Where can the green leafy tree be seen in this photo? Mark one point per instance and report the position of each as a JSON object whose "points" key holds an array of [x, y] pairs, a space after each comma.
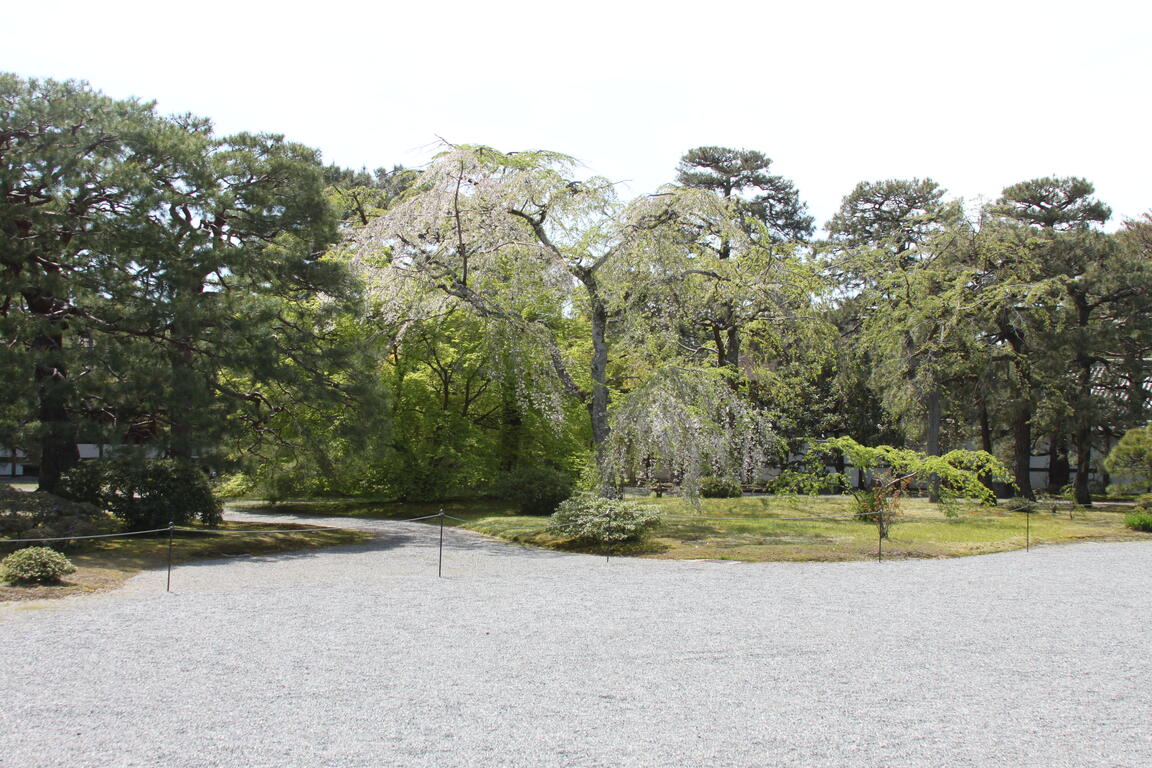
{"points": [[1130, 460], [959, 474], [159, 279], [767, 208], [742, 176], [1054, 287], [358, 196], [892, 243]]}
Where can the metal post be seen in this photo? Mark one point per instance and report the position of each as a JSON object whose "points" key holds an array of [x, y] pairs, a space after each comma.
{"points": [[1027, 530], [171, 525], [440, 566], [879, 538], [607, 545]]}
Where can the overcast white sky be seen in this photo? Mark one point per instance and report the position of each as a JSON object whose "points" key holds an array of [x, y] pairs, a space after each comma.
{"points": [[975, 95]]}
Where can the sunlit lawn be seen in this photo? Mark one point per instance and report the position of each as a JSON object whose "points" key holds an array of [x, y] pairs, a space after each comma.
{"points": [[760, 528]]}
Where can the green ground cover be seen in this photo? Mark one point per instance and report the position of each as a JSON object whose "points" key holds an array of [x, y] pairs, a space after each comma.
{"points": [[764, 528]]}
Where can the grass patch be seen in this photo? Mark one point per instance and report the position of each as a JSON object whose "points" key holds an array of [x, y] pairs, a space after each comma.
{"points": [[759, 529], [923, 530], [106, 563], [1139, 521]]}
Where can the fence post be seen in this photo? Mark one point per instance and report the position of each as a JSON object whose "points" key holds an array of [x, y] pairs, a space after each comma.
{"points": [[608, 544], [879, 537], [440, 565], [171, 525]]}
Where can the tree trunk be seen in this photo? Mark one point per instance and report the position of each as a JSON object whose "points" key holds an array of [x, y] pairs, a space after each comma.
{"points": [[932, 441], [180, 438], [1083, 465], [598, 402], [1059, 469], [58, 450], [732, 357], [1084, 412], [1022, 451], [511, 426], [840, 465], [986, 443], [985, 429]]}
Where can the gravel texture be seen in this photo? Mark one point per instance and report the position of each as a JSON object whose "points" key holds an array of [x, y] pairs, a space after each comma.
{"points": [[361, 656]]}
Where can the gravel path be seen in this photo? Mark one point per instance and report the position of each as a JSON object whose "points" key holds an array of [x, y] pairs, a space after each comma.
{"points": [[360, 656]]}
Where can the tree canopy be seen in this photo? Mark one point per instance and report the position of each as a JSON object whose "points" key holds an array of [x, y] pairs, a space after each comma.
{"points": [[420, 333]]}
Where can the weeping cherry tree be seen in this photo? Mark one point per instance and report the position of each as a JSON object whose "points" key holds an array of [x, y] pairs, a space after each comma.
{"points": [[538, 255]]}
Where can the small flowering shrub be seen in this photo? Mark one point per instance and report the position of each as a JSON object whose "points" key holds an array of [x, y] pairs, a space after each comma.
{"points": [[35, 565], [594, 519]]}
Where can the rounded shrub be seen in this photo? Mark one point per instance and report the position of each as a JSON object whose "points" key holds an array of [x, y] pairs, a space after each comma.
{"points": [[594, 519], [35, 565], [720, 488], [536, 490]]}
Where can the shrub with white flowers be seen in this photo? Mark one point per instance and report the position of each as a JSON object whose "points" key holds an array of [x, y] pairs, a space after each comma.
{"points": [[589, 518], [35, 565]]}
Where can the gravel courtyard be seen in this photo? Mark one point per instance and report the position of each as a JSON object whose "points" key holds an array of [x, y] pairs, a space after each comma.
{"points": [[361, 656]]}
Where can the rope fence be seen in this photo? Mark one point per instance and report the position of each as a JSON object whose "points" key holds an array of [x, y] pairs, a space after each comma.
{"points": [[441, 516]]}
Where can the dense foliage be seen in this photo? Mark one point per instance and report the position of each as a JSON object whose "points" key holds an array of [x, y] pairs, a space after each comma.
{"points": [[1130, 460], [145, 493], [536, 490], [498, 323], [35, 565], [591, 519], [159, 284], [1139, 521], [720, 487]]}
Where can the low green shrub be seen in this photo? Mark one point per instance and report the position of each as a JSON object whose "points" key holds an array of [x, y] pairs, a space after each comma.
{"points": [[720, 488], [145, 493], [35, 565], [1139, 521], [536, 490], [594, 519]]}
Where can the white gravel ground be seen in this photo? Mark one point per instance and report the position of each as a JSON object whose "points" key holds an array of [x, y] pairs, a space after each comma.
{"points": [[361, 656]]}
